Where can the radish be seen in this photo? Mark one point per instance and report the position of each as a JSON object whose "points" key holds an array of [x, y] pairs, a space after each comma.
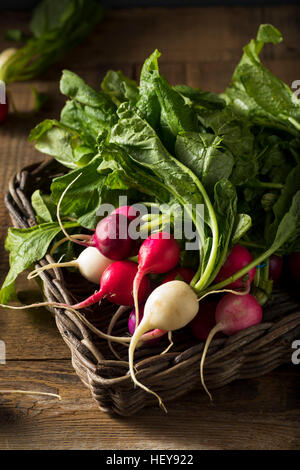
{"points": [[111, 236], [236, 260], [91, 264], [204, 321], [169, 307], [152, 336], [233, 314], [158, 254], [294, 266], [185, 273], [275, 267]]}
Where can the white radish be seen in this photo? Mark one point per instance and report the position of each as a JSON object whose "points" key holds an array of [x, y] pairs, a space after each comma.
{"points": [[169, 307], [91, 264]]}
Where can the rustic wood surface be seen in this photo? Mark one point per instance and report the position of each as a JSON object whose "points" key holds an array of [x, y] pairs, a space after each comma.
{"points": [[200, 47]]}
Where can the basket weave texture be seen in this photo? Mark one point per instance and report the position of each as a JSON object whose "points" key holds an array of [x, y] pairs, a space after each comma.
{"points": [[250, 353]]}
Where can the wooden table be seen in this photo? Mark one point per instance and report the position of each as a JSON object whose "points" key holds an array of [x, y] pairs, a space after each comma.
{"points": [[200, 47]]}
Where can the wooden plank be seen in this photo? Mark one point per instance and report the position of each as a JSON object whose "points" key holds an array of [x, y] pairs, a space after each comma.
{"points": [[258, 414], [182, 34]]}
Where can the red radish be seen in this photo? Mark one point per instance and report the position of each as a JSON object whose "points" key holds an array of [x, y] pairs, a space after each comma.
{"points": [[294, 266], [236, 260], [158, 254], [91, 264], [3, 111], [169, 307], [155, 334], [275, 267], [204, 321], [185, 274], [233, 314], [117, 285], [128, 211]]}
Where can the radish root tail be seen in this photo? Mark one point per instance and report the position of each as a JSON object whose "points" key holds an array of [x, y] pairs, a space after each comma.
{"points": [[212, 333], [170, 345], [30, 392], [36, 272], [134, 341], [71, 239]]}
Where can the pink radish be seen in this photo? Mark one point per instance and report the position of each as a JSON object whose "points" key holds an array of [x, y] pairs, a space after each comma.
{"points": [[233, 314], [275, 267], [185, 274], [91, 264], [236, 260], [204, 321], [158, 254]]}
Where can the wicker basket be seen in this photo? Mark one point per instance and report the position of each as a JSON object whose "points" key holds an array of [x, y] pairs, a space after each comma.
{"points": [[250, 353]]}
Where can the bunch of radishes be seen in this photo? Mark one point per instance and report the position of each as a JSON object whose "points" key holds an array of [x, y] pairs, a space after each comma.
{"points": [[173, 304]]}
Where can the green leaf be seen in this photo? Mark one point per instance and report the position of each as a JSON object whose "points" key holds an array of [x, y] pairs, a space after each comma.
{"points": [[260, 95], [148, 103], [120, 88], [283, 203], [124, 173], [203, 154], [44, 210], [176, 115], [26, 246], [242, 224], [56, 139]]}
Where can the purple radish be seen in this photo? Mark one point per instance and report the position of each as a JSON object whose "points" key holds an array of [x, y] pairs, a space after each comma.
{"points": [[275, 267], [233, 314]]}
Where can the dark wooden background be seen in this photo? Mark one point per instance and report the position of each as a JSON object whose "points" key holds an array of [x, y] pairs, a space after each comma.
{"points": [[200, 47]]}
